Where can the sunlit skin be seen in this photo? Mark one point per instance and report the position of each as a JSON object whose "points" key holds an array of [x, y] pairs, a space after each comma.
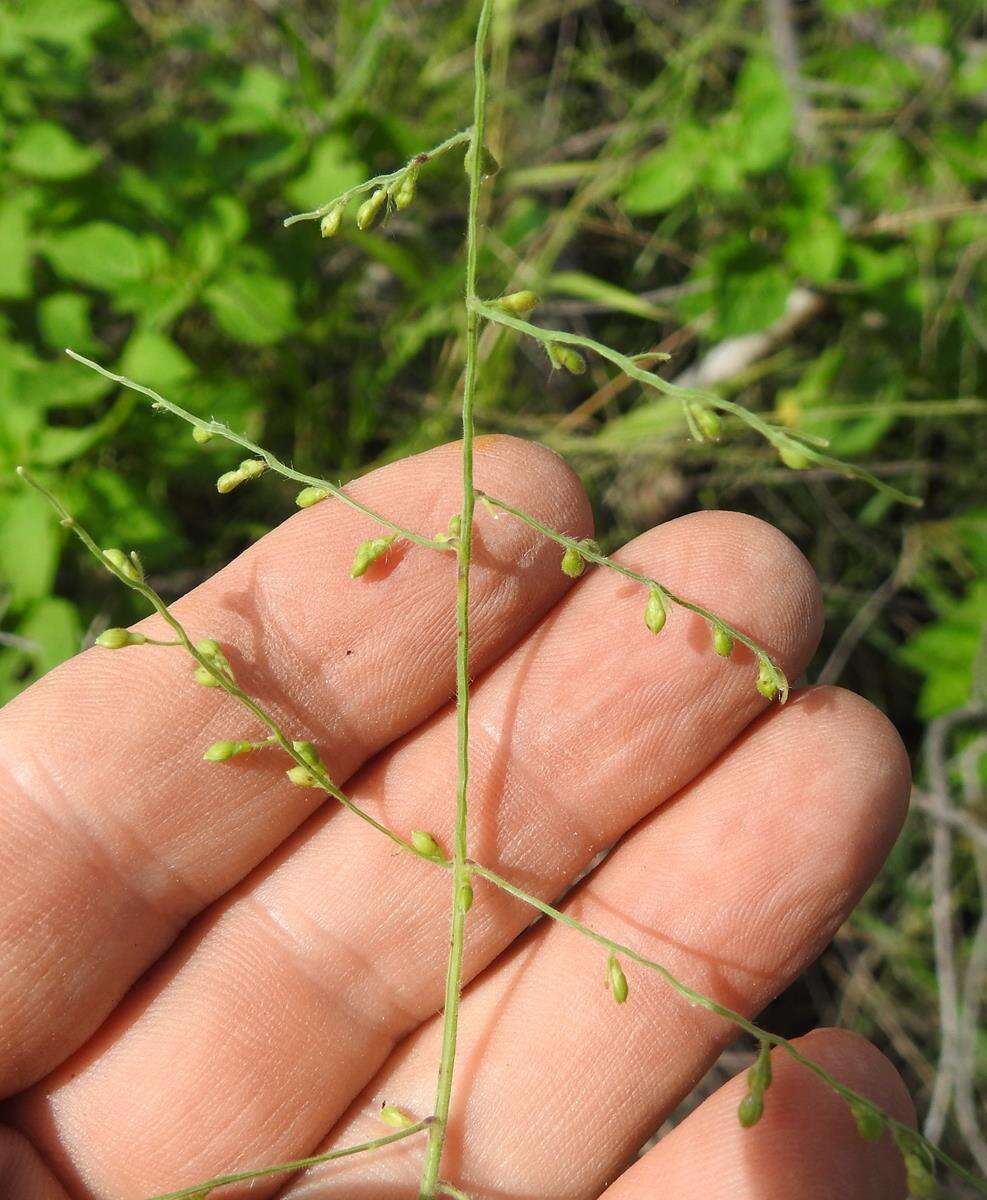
{"points": [[204, 970]]}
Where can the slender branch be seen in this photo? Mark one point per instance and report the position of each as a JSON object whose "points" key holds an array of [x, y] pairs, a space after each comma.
{"points": [[218, 429], [784, 440], [470, 868], [230, 686], [972, 999], [382, 181], [611, 564], [460, 872], [201, 1190], [447, 1189], [728, 1014], [942, 917]]}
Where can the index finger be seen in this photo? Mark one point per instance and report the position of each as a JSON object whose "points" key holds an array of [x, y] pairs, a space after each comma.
{"points": [[114, 834]]}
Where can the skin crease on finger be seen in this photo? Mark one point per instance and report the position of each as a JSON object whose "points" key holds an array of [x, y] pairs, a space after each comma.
{"points": [[22, 1174], [113, 833], [805, 1146], [278, 1007], [736, 886]]}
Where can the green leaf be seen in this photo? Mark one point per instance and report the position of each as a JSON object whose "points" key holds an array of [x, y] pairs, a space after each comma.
{"points": [[257, 102], [153, 359], [668, 174], [61, 444], [252, 306], [63, 322], [748, 302], [98, 254], [15, 249], [331, 170], [765, 115], [815, 247], [62, 384], [44, 150], [69, 23], [119, 514], [945, 651], [28, 547], [54, 626]]}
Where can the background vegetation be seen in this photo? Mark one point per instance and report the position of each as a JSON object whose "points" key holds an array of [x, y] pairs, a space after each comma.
{"points": [[789, 196]]}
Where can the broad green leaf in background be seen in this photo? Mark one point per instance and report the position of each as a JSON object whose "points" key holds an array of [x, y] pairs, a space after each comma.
{"points": [[815, 246], [15, 249], [944, 652], [748, 301], [155, 360], [121, 514], [61, 383], [63, 322], [63, 22], [331, 170], [256, 102], [53, 626], [98, 254], [44, 150], [28, 547], [669, 173], [252, 306], [765, 115]]}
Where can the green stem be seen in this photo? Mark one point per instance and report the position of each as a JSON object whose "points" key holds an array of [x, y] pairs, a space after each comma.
{"points": [[298, 1164], [382, 181], [460, 870], [470, 868], [230, 686], [448, 1189], [602, 560], [700, 1001], [780, 438], [218, 429]]}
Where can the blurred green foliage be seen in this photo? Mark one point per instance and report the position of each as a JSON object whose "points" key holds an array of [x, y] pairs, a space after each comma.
{"points": [[670, 177]]}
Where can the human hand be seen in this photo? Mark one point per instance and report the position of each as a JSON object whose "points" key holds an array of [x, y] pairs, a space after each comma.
{"points": [[295, 962]]}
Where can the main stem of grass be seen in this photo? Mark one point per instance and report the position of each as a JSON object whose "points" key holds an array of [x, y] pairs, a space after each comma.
{"points": [[460, 868]]}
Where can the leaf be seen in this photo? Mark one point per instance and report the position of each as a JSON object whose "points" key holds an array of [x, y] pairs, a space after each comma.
{"points": [[44, 150], [153, 359], [61, 444], [63, 322], [118, 513], [945, 651], [257, 101], [765, 111], [748, 302], [62, 384], [98, 254], [815, 247], [668, 174], [15, 249], [28, 547], [656, 419], [331, 170], [54, 626], [252, 306], [69, 23]]}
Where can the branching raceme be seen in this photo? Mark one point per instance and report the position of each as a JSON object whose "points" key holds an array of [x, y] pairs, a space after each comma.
{"points": [[211, 666]]}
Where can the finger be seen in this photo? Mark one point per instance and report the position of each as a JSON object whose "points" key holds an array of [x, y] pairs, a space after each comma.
{"points": [[341, 945], [805, 1145], [113, 832], [23, 1176], [735, 886]]}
